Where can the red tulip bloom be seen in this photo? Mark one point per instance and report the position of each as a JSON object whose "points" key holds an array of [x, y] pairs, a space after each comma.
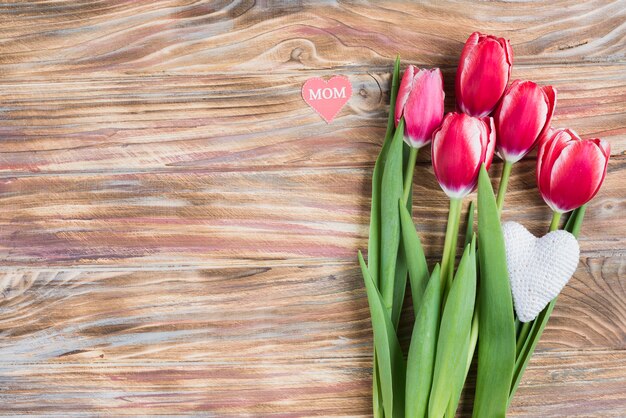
{"points": [[420, 101], [522, 117], [483, 73], [459, 148], [570, 170]]}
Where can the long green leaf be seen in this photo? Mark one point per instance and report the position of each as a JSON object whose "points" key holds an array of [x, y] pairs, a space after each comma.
{"points": [[377, 399], [460, 374], [574, 223], [467, 349], [421, 360], [453, 333], [373, 246], [391, 370], [470, 342], [399, 287], [393, 94], [496, 343], [391, 191], [416, 260], [473, 335]]}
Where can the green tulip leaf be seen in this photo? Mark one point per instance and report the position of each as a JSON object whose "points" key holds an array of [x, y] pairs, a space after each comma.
{"points": [[395, 84], [496, 342], [391, 191], [377, 399], [416, 260], [373, 246], [391, 367], [458, 381], [399, 287], [453, 333], [421, 358]]}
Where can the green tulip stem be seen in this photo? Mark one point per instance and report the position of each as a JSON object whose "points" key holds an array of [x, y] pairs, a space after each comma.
{"points": [[536, 327], [556, 217], [449, 246], [408, 178], [523, 334], [504, 182]]}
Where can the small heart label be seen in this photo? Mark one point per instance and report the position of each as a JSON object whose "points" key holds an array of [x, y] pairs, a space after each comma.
{"points": [[327, 97], [538, 268]]}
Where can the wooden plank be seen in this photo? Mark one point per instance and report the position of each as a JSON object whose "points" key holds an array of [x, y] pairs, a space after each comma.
{"points": [[568, 384], [189, 37], [578, 384], [179, 228], [260, 388], [585, 384], [213, 218], [590, 312], [255, 122], [183, 315], [312, 312]]}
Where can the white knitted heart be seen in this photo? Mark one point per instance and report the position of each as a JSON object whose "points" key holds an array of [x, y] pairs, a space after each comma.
{"points": [[538, 267]]}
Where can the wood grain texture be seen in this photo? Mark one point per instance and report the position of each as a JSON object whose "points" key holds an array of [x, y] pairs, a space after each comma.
{"points": [[334, 387], [212, 218], [280, 313], [584, 391], [251, 122], [223, 36], [179, 229], [183, 315]]}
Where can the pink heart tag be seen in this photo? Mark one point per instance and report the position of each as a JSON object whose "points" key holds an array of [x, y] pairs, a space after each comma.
{"points": [[327, 97]]}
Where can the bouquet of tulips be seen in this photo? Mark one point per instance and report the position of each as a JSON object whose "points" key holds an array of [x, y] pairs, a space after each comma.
{"points": [[498, 299]]}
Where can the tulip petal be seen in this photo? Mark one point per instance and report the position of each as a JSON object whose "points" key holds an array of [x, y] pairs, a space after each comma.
{"points": [[403, 92], [457, 153], [550, 93], [472, 41], [577, 175], [424, 108], [549, 152], [506, 45], [482, 75], [521, 117], [490, 145], [541, 153], [604, 145]]}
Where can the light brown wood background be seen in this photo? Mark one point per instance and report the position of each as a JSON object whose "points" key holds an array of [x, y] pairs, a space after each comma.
{"points": [[178, 230]]}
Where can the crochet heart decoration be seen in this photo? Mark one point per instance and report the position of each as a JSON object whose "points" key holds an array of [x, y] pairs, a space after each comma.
{"points": [[538, 267]]}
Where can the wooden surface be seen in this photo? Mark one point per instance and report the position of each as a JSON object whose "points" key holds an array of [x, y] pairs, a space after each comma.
{"points": [[178, 229]]}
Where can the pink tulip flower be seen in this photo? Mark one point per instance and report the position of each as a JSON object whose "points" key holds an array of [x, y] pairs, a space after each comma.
{"points": [[460, 146], [483, 73], [522, 117], [570, 170], [420, 101]]}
